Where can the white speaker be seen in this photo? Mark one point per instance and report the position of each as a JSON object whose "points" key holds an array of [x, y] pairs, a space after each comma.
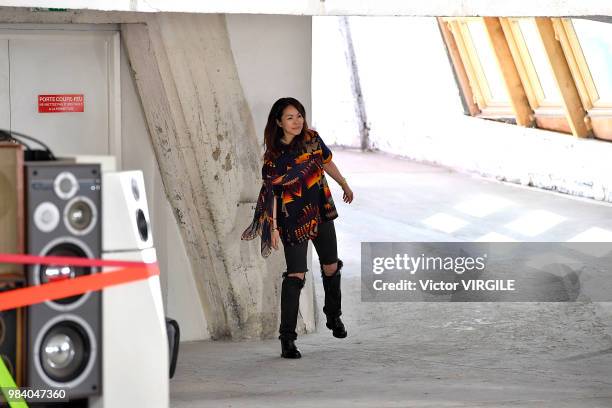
{"points": [[135, 353], [126, 224], [135, 342]]}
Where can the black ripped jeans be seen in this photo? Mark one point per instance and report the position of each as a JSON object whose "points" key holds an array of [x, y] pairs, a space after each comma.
{"points": [[325, 245], [296, 258]]}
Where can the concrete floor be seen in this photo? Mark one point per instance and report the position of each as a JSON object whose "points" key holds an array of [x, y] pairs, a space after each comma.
{"points": [[425, 354]]}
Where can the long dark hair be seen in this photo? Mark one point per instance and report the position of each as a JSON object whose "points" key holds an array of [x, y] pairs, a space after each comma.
{"points": [[273, 133]]}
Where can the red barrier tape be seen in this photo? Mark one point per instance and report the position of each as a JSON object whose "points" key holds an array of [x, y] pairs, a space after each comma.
{"points": [[129, 272]]}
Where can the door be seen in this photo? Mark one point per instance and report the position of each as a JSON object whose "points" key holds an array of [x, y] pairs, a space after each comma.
{"points": [[62, 62]]}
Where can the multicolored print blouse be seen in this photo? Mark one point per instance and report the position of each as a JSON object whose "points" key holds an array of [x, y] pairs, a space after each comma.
{"points": [[297, 181]]}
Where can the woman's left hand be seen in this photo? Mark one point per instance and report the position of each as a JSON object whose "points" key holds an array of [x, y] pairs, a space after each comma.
{"points": [[348, 193], [275, 238]]}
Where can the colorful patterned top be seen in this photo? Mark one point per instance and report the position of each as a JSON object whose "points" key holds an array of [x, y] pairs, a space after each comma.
{"points": [[297, 181]]}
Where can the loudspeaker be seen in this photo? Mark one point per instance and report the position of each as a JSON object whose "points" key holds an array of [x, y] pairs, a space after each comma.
{"points": [[127, 226], [11, 211], [134, 330], [63, 202]]}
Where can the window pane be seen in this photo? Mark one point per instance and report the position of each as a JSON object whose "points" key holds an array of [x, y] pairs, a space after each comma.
{"points": [[487, 61], [596, 42], [539, 60]]}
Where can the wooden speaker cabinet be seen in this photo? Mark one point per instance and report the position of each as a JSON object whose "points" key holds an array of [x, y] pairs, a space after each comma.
{"points": [[12, 240]]}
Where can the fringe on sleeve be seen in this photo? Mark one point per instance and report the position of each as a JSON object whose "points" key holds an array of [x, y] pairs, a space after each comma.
{"points": [[262, 218]]}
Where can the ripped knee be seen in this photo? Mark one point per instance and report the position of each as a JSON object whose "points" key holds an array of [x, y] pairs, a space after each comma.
{"points": [[330, 269], [299, 275]]}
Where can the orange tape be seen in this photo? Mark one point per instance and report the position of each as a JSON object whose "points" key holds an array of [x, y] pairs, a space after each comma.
{"points": [[128, 272]]}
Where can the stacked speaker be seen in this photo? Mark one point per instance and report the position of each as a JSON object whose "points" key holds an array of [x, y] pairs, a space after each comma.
{"points": [[55, 209], [63, 209], [12, 241]]}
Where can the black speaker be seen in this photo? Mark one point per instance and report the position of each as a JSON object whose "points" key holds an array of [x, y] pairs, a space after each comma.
{"points": [[63, 219]]}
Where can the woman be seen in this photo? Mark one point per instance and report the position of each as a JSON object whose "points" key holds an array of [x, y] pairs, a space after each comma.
{"points": [[294, 206]]}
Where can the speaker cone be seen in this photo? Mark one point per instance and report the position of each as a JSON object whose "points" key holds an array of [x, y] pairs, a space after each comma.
{"points": [[80, 215], [143, 225], [64, 351], [54, 273], [46, 216], [65, 185]]}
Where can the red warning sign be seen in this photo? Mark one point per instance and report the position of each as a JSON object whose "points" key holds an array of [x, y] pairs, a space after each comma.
{"points": [[61, 103]]}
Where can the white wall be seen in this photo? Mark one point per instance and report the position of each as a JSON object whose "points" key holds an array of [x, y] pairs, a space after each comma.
{"points": [[273, 55], [333, 104], [405, 79], [414, 110]]}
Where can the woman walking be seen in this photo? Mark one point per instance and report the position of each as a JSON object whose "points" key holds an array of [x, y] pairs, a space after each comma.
{"points": [[294, 206]]}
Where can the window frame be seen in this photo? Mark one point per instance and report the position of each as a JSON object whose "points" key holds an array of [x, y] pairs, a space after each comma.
{"points": [[580, 68], [527, 70], [489, 107], [578, 112]]}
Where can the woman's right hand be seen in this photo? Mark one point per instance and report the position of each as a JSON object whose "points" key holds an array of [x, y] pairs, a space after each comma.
{"points": [[275, 238]]}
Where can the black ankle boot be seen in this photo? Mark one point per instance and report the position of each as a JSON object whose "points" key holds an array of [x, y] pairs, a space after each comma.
{"points": [[289, 350], [337, 327], [290, 306], [333, 300]]}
